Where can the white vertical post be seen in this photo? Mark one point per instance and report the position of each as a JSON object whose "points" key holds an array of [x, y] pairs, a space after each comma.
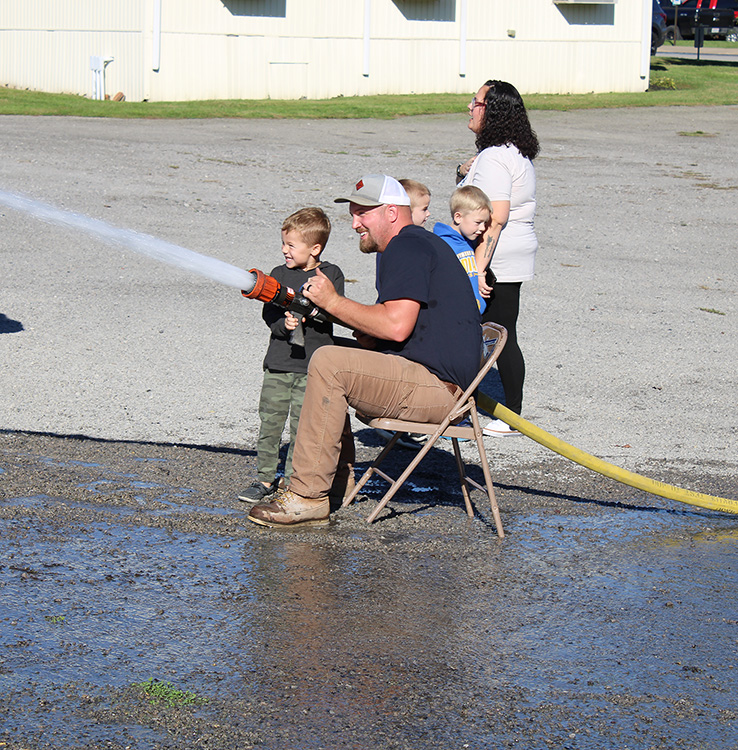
{"points": [[462, 37], [96, 68], [156, 41], [367, 34]]}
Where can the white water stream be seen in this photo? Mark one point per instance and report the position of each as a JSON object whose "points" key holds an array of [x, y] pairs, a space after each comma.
{"points": [[145, 244]]}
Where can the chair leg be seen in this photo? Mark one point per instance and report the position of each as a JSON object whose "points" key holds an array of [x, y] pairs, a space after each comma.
{"points": [[366, 476], [394, 486], [462, 476], [487, 474], [490, 486]]}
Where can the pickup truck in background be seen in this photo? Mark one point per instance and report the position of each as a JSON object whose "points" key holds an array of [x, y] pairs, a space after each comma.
{"points": [[719, 17]]}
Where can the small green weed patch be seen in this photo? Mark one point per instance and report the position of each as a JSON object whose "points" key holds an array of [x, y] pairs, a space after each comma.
{"points": [[662, 82], [164, 692], [711, 310]]}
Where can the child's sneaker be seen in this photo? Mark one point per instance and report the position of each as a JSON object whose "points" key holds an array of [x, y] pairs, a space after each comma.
{"points": [[256, 492]]}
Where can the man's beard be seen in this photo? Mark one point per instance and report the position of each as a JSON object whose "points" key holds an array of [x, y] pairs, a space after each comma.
{"points": [[368, 245]]}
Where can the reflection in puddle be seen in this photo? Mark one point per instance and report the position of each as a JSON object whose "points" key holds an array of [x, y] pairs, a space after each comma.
{"points": [[135, 602]]}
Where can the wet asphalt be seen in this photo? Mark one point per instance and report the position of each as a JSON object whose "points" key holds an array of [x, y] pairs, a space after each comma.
{"points": [[607, 616]]}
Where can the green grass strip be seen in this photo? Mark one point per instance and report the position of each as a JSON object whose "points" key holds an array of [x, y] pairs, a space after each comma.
{"points": [[674, 82]]}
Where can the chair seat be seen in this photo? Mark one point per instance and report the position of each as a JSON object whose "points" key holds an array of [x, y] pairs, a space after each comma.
{"points": [[419, 428]]}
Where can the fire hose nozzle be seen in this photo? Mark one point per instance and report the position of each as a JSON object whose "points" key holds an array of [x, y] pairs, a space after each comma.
{"points": [[268, 289]]}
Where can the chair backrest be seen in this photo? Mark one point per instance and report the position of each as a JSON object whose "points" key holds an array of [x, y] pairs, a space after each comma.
{"points": [[494, 337]]}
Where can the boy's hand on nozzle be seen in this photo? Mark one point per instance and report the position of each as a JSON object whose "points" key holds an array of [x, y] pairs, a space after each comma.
{"points": [[291, 321], [320, 291]]}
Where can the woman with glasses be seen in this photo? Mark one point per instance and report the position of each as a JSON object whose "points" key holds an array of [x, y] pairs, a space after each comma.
{"points": [[503, 169]]}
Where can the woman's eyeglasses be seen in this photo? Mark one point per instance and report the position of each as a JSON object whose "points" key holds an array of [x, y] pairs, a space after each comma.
{"points": [[473, 104]]}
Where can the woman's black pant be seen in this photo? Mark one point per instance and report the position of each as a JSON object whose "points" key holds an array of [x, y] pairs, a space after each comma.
{"points": [[503, 308]]}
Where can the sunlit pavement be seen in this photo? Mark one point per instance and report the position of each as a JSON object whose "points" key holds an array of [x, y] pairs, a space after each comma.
{"points": [[714, 54]]}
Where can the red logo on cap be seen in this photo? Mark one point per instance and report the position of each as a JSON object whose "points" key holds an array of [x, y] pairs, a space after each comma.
{"points": [[359, 185]]}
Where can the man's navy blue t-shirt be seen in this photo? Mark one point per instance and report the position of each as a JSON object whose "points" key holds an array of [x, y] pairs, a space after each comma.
{"points": [[447, 338]]}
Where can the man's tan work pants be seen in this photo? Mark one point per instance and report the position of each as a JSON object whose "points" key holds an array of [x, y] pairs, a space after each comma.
{"points": [[378, 385]]}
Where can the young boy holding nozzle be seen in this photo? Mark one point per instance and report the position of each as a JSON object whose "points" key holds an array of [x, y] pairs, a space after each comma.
{"points": [[304, 236], [470, 215]]}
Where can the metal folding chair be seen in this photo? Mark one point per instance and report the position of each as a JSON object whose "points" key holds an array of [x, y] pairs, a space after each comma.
{"points": [[494, 337]]}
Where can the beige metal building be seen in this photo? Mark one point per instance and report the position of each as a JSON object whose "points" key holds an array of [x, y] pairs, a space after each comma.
{"points": [[174, 50]]}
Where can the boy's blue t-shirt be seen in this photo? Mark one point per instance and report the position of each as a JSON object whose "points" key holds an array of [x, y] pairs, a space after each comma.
{"points": [[447, 337], [465, 253]]}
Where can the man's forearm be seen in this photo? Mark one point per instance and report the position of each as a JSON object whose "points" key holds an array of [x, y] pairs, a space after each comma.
{"points": [[392, 321]]}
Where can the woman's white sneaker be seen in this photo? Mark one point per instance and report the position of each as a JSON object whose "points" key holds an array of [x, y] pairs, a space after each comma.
{"points": [[498, 428]]}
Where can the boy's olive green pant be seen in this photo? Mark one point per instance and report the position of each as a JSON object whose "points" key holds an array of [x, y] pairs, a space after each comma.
{"points": [[281, 395]]}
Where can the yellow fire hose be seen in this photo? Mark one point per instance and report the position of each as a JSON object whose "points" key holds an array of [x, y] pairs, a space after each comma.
{"points": [[602, 467]]}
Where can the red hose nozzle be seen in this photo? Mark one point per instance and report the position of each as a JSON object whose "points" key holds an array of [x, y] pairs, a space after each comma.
{"points": [[265, 289]]}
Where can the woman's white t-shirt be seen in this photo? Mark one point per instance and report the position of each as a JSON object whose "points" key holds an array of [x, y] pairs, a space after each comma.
{"points": [[504, 174]]}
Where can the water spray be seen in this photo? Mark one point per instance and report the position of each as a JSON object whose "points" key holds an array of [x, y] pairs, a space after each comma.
{"points": [[145, 244], [253, 284]]}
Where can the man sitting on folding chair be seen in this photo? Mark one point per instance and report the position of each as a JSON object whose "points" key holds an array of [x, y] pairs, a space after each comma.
{"points": [[422, 344]]}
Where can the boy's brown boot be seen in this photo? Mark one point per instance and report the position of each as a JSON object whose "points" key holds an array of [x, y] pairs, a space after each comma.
{"points": [[289, 510]]}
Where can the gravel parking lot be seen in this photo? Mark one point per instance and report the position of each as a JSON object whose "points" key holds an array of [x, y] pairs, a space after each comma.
{"points": [[628, 329], [128, 395]]}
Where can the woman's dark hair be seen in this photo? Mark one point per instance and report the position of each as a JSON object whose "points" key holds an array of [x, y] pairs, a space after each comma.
{"points": [[506, 121]]}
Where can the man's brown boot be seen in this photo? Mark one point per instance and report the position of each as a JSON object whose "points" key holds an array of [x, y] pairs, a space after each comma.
{"points": [[289, 510], [343, 483]]}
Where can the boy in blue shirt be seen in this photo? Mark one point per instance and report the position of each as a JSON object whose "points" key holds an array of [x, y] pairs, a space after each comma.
{"points": [[470, 215]]}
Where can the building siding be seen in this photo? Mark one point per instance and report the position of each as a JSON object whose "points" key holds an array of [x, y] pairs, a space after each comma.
{"points": [[256, 49]]}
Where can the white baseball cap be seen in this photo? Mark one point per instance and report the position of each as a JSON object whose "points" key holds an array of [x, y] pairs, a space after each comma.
{"points": [[376, 190]]}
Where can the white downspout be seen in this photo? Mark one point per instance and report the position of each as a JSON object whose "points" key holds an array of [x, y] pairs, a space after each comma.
{"points": [[156, 41], [367, 35], [647, 10], [462, 38]]}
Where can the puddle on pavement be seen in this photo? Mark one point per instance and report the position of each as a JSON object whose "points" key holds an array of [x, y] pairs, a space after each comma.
{"points": [[615, 619], [604, 624]]}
